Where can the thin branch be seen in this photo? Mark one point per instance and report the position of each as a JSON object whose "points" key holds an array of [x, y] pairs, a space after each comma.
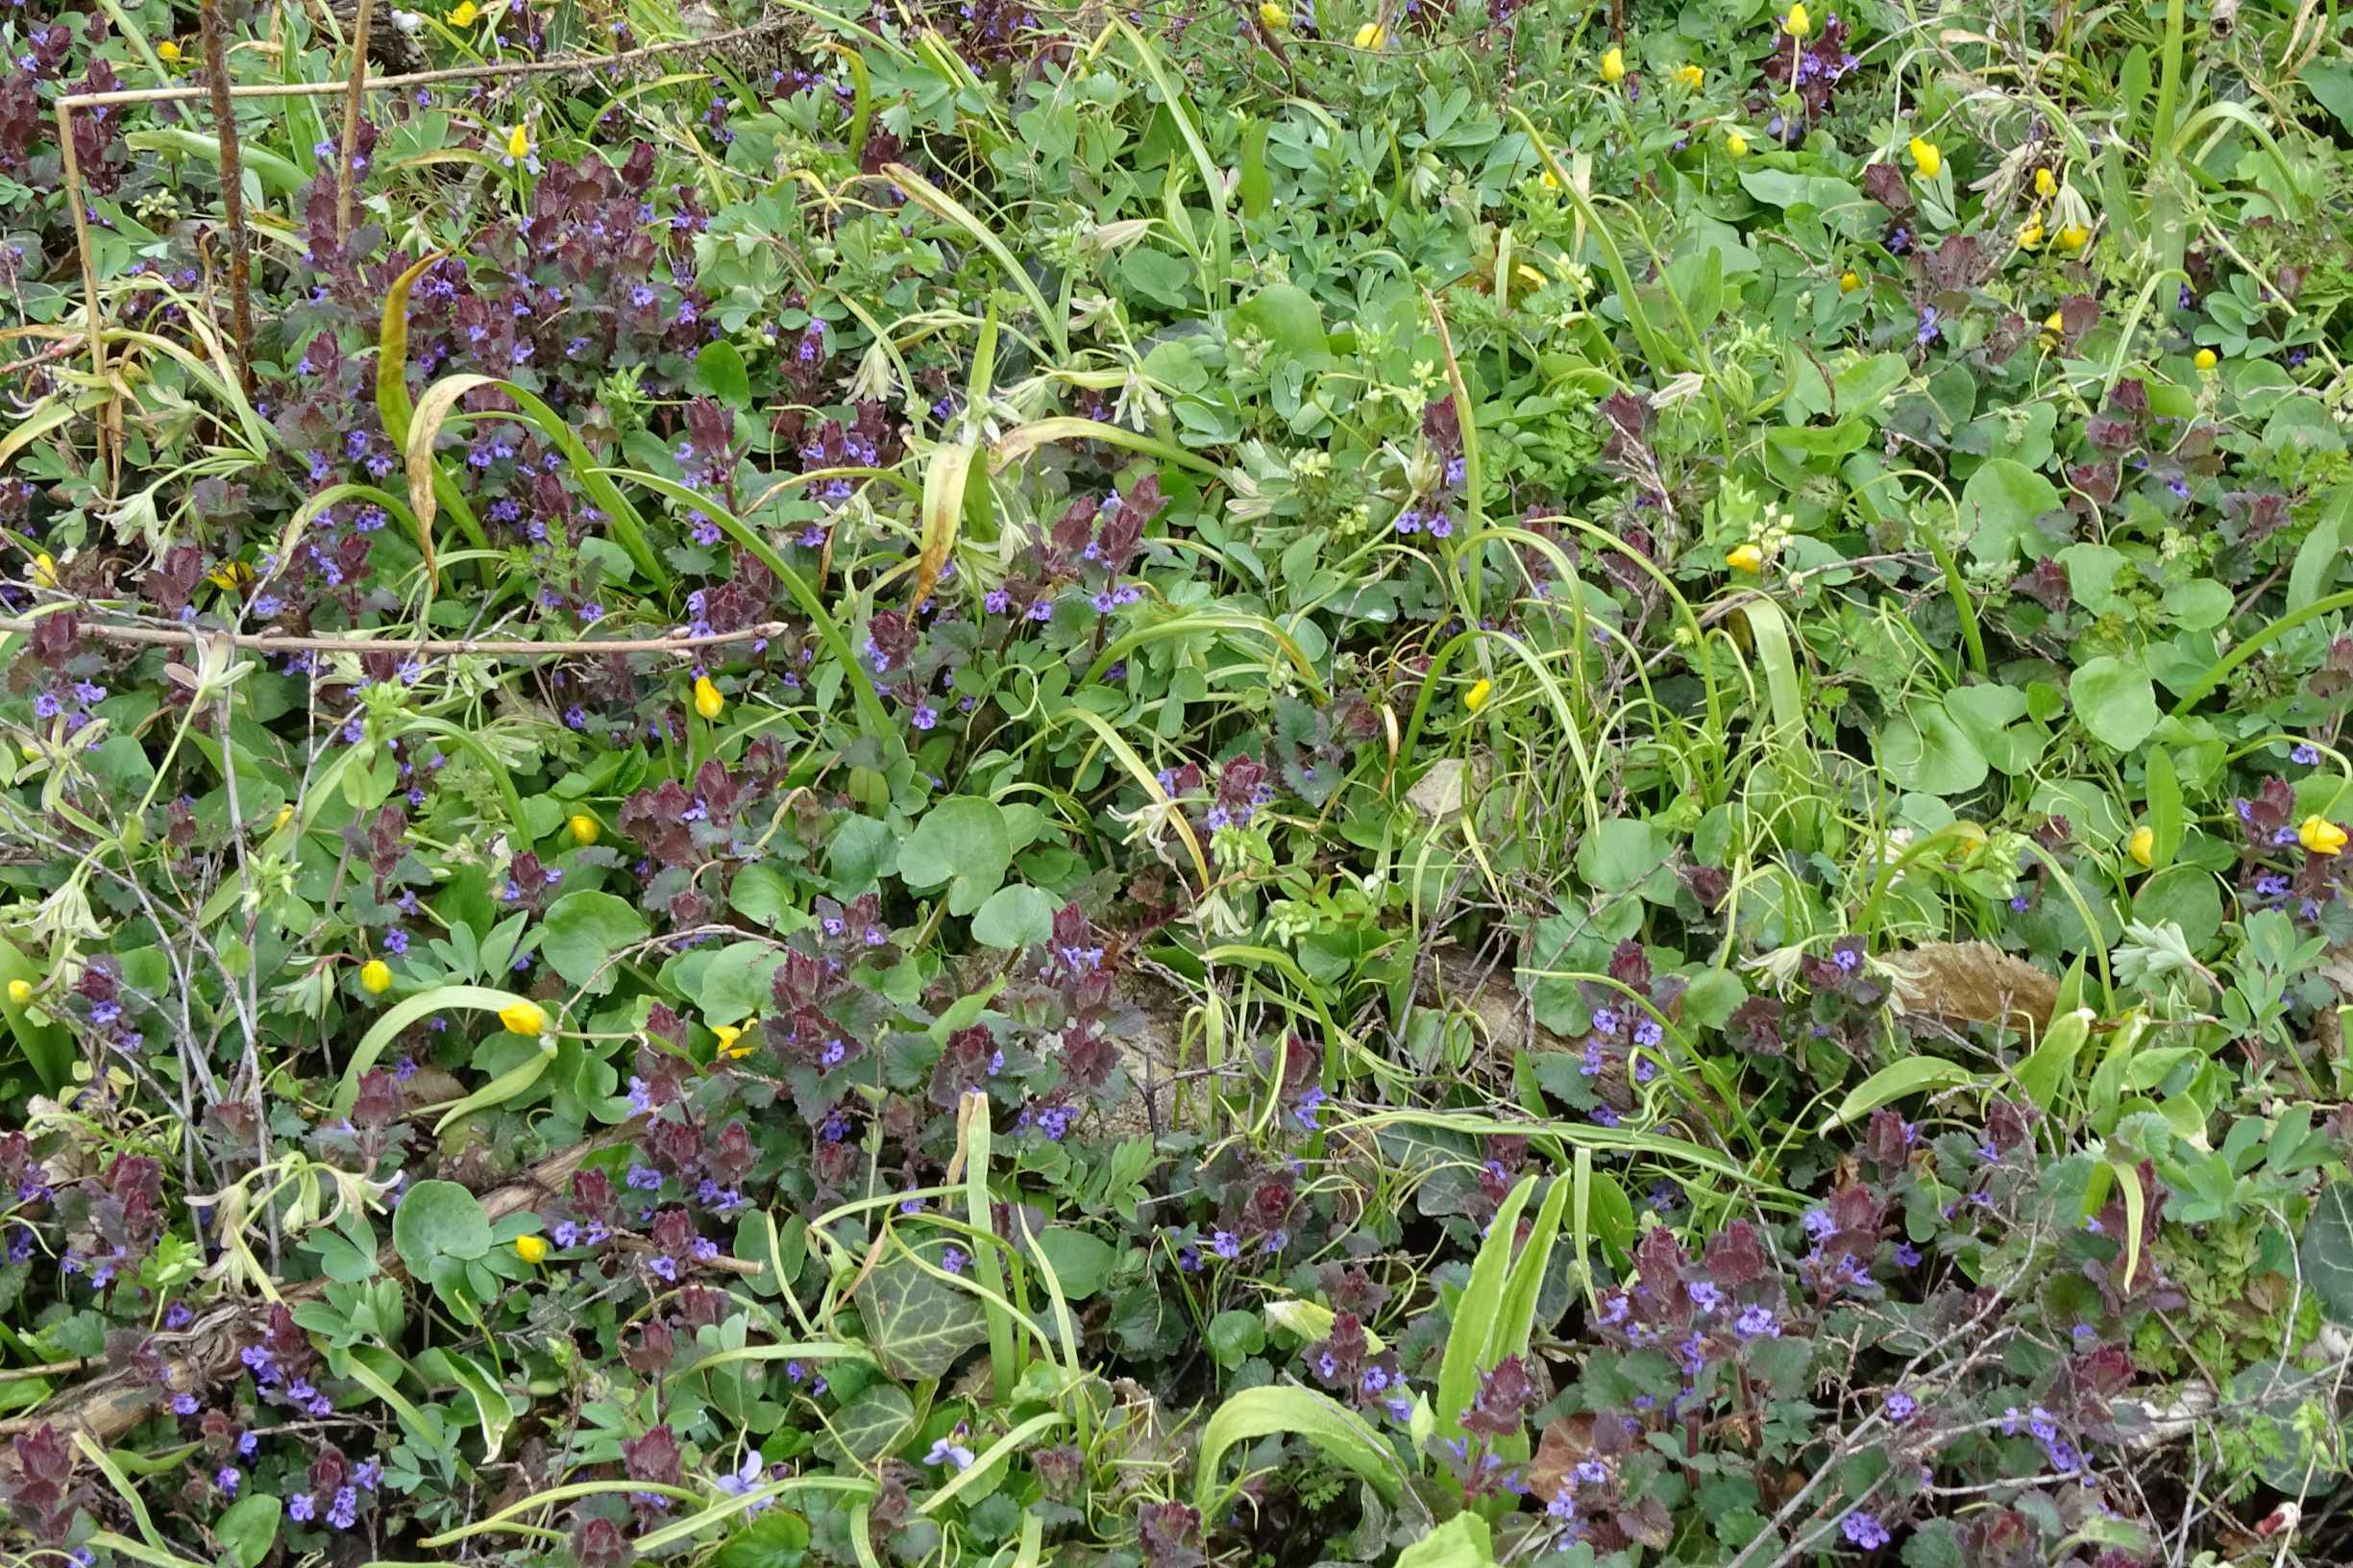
{"points": [[267, 643]]}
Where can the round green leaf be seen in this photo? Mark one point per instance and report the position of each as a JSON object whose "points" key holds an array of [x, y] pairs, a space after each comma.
{"points": [[438, 1220], [2115, 700], [584, 929]]}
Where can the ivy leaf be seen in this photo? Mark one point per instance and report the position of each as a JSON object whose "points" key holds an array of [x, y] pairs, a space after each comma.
{"points": [[921, 1324], [2326, 1253], [875, 1420]]}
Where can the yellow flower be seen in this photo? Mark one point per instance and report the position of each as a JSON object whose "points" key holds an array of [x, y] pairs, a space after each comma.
{"points": [[2055, 324], [1372, 35], [519, 143], [231, 576], [1690, 76], [1613, 65], [1274, 16], [1749, 557], [1476, 696], [531, 1249], [1552, 180], [2031, 235], [524, 1018], [1926, 157], [1796, 24], [464, 14], [44, 571], [1736, 144], [168, 52], [728, 1034], [375, 977], [285, 815], [707, 699], [2142, 844], [2320, 836], [1849, 283], [584, 829], [2073, 237], [21, 991], [2206, 359], [2046, 183]]}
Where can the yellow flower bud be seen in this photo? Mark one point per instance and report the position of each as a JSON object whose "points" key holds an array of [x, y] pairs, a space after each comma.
{"points": [[519, 143], [1926, 157], [531, 1249], [1613, 65], [21, 991], [44, 571], [2046, 183], [2074, 237], [2055, 324], [585, 829], [707, 699], [524, 1018], [1849, 283], [465, 13], [1372, 35], [1747, 557], [2031, 235], [1690, 76], [2206, 359], [2142, 844], [375, 977], [1736, 144], [168, 52], [1476, 696], [1274, 16], [285, 815], [1796, 24], [2320, 836]]}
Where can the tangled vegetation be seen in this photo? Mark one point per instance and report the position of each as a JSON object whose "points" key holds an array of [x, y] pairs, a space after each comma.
{"points": [[1432, 784]]}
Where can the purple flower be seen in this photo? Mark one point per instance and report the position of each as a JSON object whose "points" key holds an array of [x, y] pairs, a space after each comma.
{"points": [[1226, 1244], [1757, 1322], [226, 1479], [1900, 1406], [2307, 754], [944, 1452], [1866, 1532], [301, 1507], [952, 1257], [183, 1405], [1907, 1255], [346, 1511]]}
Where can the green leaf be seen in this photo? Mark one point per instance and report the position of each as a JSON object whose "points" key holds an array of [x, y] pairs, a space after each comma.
{"points": [[1998, 506], [1082, 1262], [1338, 1433], [248, 1528], [2326, 1254], [1235, 1335], [1461, 1542], [875, 1420], [1015, 917], [777, 1539], [1913, 1075], [1924, 750], [437, 1220], [1286, 316], [719, 370], [584, 931], [961, 842], [918, 1323], [2115, 700]]}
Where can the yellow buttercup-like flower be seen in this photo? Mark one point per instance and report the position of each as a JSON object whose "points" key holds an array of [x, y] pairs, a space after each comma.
{"points": [[2074, 237], [285, 815], [230, 575], [21, 991], [168, 52], [1736, 144], [1796, 24], [1476, 696], [1274, 16], [1613, 65], [1749, 558], [44, 571], [2320, 836], [1372, 35], [2143, 846], [585, 829], [728, 1034], [519, 143], [2055, 324], [2046, 183], [1926, 157], [465, 13], [524, 1018], [2206, 359], [707, 699], [375, 977], [531, 1249], [1849, 283], [2031, 235], [1690, 76]]}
